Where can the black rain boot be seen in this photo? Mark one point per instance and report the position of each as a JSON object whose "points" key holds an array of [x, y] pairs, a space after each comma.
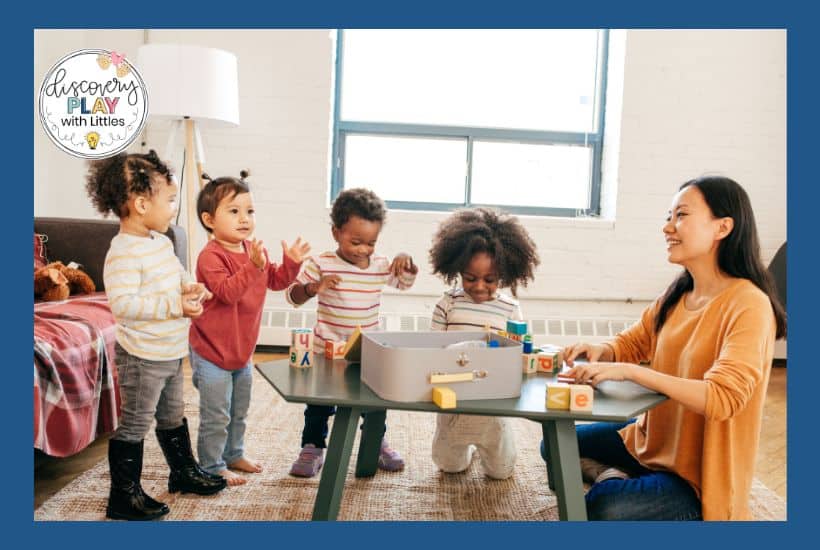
{"points": [[126, 499], [186, 475]]}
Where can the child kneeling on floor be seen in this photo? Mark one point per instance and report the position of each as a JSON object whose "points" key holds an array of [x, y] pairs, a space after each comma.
{"points": [[486, 250]]}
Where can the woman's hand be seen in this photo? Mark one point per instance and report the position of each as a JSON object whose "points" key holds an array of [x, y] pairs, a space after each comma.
{"points": [[594, 373], [593, 352], [403, 263], [297, 251]]}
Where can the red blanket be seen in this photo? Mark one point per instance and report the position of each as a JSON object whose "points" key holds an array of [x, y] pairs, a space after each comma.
{"points": [[76, 398]]}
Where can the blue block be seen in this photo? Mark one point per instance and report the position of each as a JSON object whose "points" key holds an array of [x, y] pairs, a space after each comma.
{"points": [[516, 327]]}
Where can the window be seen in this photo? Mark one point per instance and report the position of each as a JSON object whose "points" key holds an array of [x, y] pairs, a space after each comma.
{"points": [[441, 119]]}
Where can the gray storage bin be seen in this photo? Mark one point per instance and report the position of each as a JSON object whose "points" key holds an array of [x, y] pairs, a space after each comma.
{"points": [[398, 365]]}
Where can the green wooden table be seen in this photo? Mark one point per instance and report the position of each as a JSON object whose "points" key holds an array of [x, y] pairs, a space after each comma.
{"points": [[338, 383]]}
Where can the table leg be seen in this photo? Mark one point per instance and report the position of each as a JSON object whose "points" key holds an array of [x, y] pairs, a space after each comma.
{"points": [[370, 444], [562, 452], [550, 474], [332, 483]]}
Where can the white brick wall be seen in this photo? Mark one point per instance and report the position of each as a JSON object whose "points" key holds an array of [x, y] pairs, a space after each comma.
{"points": [[681, 103]]}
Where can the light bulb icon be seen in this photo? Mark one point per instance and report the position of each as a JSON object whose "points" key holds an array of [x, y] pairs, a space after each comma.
{"points": [[93, 138]]}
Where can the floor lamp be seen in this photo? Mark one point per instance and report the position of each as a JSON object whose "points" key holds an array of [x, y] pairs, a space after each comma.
{"points": [[195, 88]]}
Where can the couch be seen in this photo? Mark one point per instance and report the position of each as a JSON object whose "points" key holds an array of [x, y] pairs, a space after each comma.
{"points": [[76, 398]]}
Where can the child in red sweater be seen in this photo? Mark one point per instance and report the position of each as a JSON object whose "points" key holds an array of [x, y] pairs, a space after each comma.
{"points": [[235, 267]]}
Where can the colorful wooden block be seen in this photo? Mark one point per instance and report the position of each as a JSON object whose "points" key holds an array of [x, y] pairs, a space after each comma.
{"points": [[301, 338], [516, 327], [301, 358], [516, 337], [334, 349], [548, 362], [557, 350], [529, 361], [580, 397], [444, 397], [353, 348], [558, 396]]}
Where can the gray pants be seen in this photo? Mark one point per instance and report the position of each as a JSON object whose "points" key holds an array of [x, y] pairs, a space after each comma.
{"points": [[148, 389]]}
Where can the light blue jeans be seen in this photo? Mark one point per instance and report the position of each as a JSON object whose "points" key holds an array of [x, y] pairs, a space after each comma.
{"points": [[647, 495], [224, 398]]}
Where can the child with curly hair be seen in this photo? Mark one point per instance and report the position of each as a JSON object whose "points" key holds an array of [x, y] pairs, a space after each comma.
{"points": [[348, 286], [487, 250], [152, 299], [234, 265]]}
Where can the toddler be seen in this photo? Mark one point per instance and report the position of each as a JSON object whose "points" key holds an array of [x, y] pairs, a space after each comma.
{"points": [[487, 250], [151, 297], [348, 285], [235, 267]]}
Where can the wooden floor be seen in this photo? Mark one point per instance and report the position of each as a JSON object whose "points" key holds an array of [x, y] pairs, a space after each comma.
{"points": [[52, 474]]}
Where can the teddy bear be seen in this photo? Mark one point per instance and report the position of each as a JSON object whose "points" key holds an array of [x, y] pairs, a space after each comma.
{"points": [[55, 282]]}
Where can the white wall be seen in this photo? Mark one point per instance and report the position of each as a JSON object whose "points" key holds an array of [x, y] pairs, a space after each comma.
{"points": [[681, 103]]}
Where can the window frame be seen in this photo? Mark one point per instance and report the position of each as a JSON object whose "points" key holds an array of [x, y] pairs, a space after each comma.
{"points": [[595, 140]]}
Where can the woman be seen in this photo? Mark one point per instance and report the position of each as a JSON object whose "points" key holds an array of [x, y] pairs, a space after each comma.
{"points": [[709, 340]]}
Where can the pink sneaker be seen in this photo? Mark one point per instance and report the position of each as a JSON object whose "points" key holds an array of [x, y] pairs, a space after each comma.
{"points": [[389, 459], [309, 462]]}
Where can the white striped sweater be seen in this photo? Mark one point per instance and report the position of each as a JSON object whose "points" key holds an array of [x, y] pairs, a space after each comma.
{"points": [[143, 282], [355, 300], [457, 311]]}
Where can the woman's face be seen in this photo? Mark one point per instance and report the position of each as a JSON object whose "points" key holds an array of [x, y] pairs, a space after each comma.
{"points": [[692, 232]]}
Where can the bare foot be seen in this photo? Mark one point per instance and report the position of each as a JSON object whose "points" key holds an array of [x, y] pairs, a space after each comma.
{"points": [[246, 465], [232, 478]]}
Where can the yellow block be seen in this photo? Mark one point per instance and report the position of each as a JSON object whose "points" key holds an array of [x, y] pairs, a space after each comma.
{"points": [[353, 349], [444, 397], [580, 397], [558, 396]]}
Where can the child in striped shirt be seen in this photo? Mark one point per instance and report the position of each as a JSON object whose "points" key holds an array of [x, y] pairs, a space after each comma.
{"points": [[348, 285], [152, 299], [487, 250]]}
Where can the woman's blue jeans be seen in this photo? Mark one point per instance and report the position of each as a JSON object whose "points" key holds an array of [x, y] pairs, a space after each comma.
{"points": [[647, 495]]}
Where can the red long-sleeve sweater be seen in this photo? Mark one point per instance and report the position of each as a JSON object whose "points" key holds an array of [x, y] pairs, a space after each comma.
{"points": [[226, 332]]}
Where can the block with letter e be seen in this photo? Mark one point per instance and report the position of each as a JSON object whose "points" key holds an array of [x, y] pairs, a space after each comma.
{"points": [[580, 398]]}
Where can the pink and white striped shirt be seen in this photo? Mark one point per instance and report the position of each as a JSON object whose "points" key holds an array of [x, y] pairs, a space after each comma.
{"points": [[356, 299]]}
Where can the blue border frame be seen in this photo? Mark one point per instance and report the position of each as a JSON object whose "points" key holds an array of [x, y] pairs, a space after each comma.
{"points": [[593, 140]]}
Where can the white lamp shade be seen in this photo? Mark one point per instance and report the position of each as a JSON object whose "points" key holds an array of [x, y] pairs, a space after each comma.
{"points": [[190, 81]]}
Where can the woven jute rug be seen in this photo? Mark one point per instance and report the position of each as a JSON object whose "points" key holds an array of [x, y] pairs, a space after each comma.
{"points": [[420, 492]]}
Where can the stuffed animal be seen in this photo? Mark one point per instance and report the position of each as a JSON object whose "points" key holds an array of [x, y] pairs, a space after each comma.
{"points": [[55, 282]]}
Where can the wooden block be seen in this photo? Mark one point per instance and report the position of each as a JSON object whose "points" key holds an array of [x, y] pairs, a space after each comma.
{"points": [[558, 396], [516, 337], [556, 350], [580, 397], [353, 349], [301, 338], [529, 361], [545, 362], [334, 349], [444, 397], [301, 358], [516, 327]]}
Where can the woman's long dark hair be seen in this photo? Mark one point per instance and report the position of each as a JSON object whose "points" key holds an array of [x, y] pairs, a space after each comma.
{"points": [[738, 252]]}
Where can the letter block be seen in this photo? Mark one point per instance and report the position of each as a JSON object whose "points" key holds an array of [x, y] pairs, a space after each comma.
{"points": [[518, 328], [558, 396], [581, 396], [444, 397], [301, 338], [548, 362], [334, 349], [530, 363], [301, 358]]}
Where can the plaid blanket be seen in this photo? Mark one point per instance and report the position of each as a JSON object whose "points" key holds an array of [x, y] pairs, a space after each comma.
{"points": [[76, 398]]}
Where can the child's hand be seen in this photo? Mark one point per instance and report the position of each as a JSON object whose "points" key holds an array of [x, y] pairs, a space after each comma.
{"points": [[403, 262], [297, 251], [257, 253], [191, 304], [328, 282], [199, 289]]}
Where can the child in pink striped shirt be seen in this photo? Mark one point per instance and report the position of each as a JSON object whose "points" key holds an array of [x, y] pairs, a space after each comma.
{"points": [[348, 285]]}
